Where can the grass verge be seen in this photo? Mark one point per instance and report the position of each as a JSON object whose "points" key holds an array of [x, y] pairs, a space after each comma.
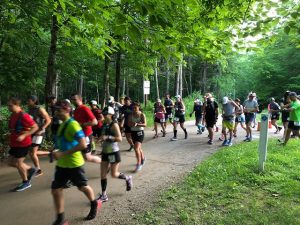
{"points": [[228, 189]]}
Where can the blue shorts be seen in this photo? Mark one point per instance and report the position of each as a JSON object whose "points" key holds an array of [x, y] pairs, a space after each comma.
{"points": [[240, 119]]}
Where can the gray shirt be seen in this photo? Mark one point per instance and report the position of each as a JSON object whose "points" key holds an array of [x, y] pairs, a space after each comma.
{"points": [[250, 105]]}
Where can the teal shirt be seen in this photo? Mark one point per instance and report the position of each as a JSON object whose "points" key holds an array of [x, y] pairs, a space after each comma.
{"points": [[68, 139]]}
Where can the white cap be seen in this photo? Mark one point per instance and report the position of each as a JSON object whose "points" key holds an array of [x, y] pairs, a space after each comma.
{"points": [[111, 99], [68, 100], [225, 100], [177, 96], [197, 100], [158, 100], [108, 110], [93, 102]]}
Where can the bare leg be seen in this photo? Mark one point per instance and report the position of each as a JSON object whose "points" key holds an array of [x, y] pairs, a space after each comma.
{"points": [[58, 198], [34, 157]]}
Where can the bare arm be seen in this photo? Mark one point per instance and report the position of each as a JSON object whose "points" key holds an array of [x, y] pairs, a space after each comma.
{"points": [[46, 117]]}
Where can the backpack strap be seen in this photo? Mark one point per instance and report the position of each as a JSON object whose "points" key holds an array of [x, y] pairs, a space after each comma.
{"points": [[62, 133]]}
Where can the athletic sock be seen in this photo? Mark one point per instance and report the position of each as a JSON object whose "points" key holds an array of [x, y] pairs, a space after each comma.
{"points": [[103, 184], [93, 211], [175, 133], [122, 176]]}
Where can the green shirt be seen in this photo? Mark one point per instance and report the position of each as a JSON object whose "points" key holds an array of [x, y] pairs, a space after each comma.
{"points": [[295, 113], [68, 136]]}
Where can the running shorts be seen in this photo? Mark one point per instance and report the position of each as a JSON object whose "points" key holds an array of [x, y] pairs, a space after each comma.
{"points": [[240, 119], [228, 124], [19, 152], [112, 158], [249, 117], [137, 136], [63, 175], [294, 125], [127, 129], [89, 140], [275, 117], [179, 119], [156, 120]]}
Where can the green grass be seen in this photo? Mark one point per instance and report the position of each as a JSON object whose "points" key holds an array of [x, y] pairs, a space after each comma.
{"points": [[228, 189]]}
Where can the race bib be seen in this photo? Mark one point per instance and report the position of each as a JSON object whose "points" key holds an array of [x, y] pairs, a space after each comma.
{"points": [[112, 158], [140, 133], [239, 119], [297, 124], [37, 140], [176, 119], [170, 115], [162, 120]]}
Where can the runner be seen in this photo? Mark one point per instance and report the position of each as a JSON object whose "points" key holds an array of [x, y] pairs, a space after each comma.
{"points": [[84, 116], [250, 108], [43, 120], [240, 117], [285, 114], [294, 121], [159, 117], [21, 127], [228, 111], [116, 106], [97, 129], [55, 122], [137, 122], [126, 110], [111, 153], [70, 163], [274, 110], [210, 115], [169, 105], [255, 113], [179, 117], [198, 109]]}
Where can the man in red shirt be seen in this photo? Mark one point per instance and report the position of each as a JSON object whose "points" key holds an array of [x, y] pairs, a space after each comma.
{"points": [[84, 116], [21, 127]]}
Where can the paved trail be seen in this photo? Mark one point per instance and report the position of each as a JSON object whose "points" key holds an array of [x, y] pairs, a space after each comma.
{"points": [[166, 163]]}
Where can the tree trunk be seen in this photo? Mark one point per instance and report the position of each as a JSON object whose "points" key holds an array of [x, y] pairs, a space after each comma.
{"points": [[204, 76], [51, 76], [168, 78], [156, 80], [190, 74], [106, 80], [81, 85], [97, 87], [185, 80], [124, 85], [180, 78], [118, 75]]}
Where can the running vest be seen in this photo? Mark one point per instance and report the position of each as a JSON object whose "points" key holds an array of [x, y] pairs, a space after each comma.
{"points": [[168, 102], [136, 120], [108, 145], [35, 114], [178, 106]]}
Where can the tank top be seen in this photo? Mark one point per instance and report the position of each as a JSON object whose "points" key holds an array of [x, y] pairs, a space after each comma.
{"points": [[136, 120], [36, 116], [108, 145]]}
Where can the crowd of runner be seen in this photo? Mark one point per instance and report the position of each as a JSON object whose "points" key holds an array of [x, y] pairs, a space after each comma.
{"points": [[77, 131]]}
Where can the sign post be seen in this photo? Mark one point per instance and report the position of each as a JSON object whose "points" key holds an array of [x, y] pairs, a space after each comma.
{"points": [[146, 88], [263, 141]]}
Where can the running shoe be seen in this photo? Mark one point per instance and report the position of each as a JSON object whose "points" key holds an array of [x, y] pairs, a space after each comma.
{"points": [[31, 173], [203, 129], [155, 136], [64, 222], [210, 142], [128, 183], [164, 134], [23, 186], [199, 132], [130, 149], [224, 143], [95, 205], [174, 139], [38, 173], [185, 135], [143, 161], [138, 167], [221, 139], [102, 198], [247, 140], [229, 143]]}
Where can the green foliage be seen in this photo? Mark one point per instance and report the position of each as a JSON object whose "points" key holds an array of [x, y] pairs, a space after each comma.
{"points": [[221, 192]]}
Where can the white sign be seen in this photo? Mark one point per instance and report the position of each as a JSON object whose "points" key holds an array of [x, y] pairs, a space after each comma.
{"points": [[146, 87], [263, 141]]}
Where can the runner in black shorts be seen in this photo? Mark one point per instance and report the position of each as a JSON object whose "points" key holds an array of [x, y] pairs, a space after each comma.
{"points": [[111, 152], [70, 162], [210, 115], [169, 105], [137, 122], [285, 114], [126, 110], [179, 117], [21, 127], [159, 117], [274, 109]]}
